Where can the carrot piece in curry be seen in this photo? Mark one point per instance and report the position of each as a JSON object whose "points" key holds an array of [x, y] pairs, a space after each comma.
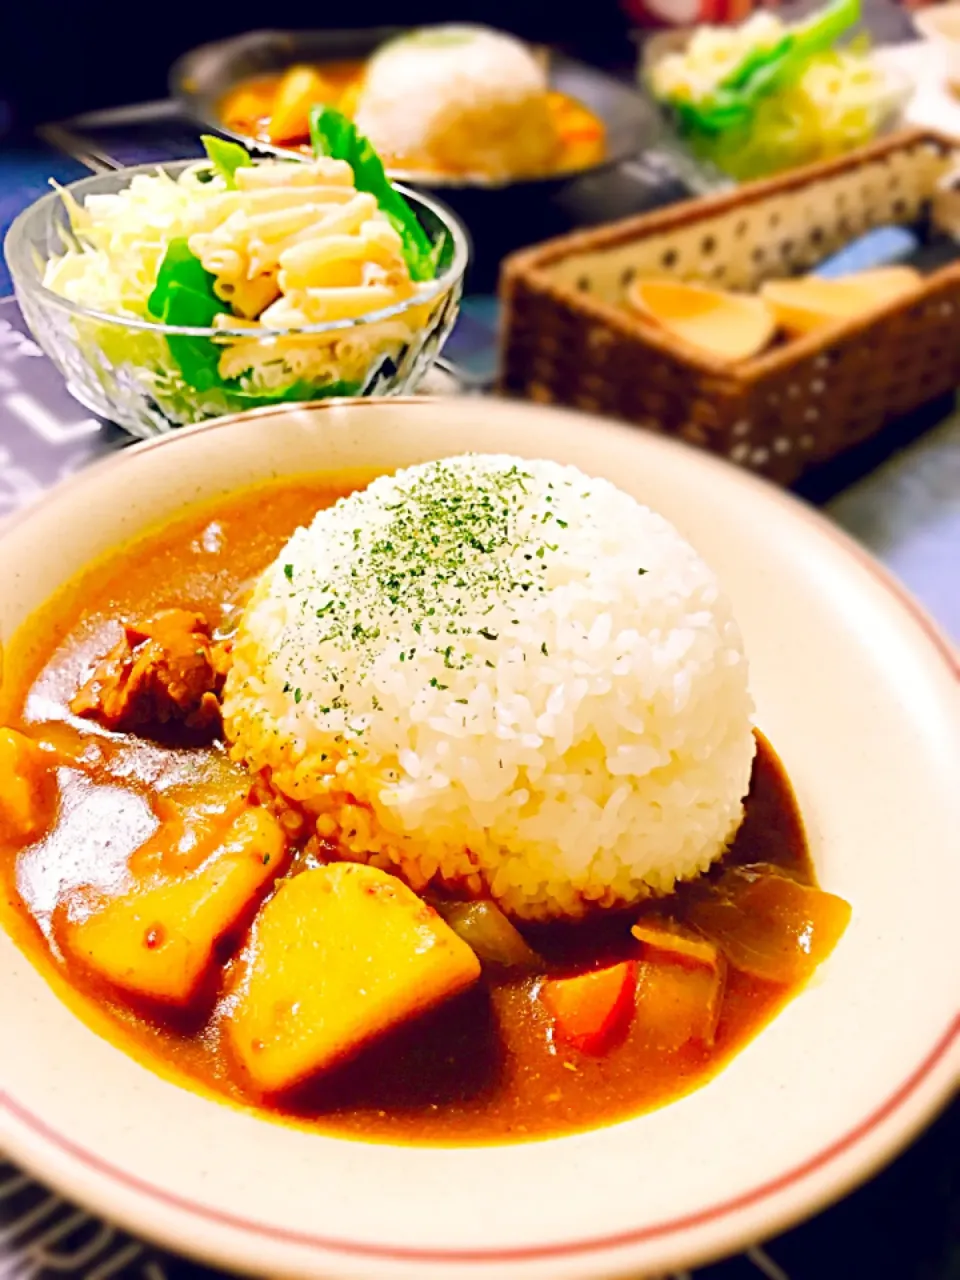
{"points": [[590, 1010], [338, 955], [158, 940]]}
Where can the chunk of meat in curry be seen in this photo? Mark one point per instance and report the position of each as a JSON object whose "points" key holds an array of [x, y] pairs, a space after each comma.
{"points": [[167, 668]]}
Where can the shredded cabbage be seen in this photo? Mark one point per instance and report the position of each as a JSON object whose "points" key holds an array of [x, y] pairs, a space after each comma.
{"points": [[124, 236]]}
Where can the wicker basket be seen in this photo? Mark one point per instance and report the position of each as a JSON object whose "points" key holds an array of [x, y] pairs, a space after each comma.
{"points": [[567, 338]]}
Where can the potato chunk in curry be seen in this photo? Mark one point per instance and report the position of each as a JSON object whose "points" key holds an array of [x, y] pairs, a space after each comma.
{"points": [[28, 789], [158, 940], [339, 955]]}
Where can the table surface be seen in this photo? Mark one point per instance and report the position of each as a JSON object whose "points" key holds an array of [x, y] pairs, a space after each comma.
{"points": [[899, 495]]}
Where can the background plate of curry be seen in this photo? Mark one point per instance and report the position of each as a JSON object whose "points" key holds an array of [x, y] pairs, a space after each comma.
{"points": [[259, 86], [340, 932]]}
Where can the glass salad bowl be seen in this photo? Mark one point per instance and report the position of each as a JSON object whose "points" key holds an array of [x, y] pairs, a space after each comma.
{"points": [[142, 375]]}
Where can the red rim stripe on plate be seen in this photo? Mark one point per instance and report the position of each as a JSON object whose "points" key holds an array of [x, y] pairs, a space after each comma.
{"points": [[525, 1253]]}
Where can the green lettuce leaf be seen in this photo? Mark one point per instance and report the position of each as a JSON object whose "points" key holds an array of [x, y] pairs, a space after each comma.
{"points": [[184, 295], [332, 134], [226, 157]]}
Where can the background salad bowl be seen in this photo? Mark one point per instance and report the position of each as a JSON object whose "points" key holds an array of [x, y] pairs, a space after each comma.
{"points": [[858, 693], [148, 376], [766, 96]]}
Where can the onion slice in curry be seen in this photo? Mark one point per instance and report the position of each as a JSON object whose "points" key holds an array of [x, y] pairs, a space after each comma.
{"points": [[677, 939], [484, 928], [768, 924]]}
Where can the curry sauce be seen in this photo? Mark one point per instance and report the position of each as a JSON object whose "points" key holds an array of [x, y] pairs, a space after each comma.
{"points": [[487, 1065]]}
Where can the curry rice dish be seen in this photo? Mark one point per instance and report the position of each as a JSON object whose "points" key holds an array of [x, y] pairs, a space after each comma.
{"points": [[441, 820]]}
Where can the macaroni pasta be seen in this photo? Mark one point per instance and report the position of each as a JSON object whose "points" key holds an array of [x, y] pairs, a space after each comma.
{"points": [[298, 245]]}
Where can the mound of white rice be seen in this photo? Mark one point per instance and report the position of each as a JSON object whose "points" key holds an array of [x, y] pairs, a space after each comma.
{"points": [[504, 676], [460, 98]]}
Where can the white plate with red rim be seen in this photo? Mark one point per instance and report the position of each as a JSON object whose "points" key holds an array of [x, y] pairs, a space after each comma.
{"points": [[859, 694]]}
